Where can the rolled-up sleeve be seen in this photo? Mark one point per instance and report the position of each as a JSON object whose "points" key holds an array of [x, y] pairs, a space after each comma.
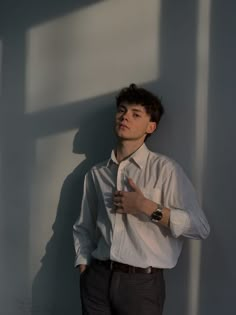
{"points": [[84, 229], [186, 217]]}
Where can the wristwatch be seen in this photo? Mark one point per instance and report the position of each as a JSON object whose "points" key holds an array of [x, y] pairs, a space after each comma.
{"points": [[156, 216]]}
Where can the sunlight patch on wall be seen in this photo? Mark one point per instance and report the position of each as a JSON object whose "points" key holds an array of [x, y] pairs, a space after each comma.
{"points": [[91, 52], [54, 161], [202, 82]]}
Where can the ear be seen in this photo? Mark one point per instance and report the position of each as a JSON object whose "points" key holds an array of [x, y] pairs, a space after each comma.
{"points": [[152, 126]]}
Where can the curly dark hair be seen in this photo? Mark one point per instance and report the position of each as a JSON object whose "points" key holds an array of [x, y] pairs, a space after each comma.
{"points": [[136, 95]]}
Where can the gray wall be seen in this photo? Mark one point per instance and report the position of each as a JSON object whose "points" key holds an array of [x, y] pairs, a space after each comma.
{"points": [[60, 66]]}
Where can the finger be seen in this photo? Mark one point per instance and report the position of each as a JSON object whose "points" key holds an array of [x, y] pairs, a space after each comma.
{"points": [[120, 210], [118, 199], [118, 193], [118, 205], [133, 185]]}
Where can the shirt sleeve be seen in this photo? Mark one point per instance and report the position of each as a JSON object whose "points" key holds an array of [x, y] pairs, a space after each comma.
{"points": [[85, 227], [186, 216]]}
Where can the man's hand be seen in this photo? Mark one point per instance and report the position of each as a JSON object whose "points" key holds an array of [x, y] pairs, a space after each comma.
{"points": [[82, 268], [134, 202], [129, 202]]}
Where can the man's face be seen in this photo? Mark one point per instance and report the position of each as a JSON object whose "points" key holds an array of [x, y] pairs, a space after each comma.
{"points": [[133, 122]]}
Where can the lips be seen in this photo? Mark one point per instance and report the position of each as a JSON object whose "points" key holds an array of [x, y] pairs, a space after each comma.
{"points": [[122, 126]]}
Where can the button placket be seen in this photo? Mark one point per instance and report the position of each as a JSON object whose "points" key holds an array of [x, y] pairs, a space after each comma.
{"points": [[119, 226]]}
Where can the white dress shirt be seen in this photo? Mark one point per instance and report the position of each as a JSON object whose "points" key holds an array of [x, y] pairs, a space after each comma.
{"points": [[102, 233]]}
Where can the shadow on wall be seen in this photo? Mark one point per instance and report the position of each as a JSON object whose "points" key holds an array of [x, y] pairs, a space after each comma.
{"points": [[55, 288]]}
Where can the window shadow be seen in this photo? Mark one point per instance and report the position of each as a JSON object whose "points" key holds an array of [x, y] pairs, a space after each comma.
{"points": [[19, 133]]}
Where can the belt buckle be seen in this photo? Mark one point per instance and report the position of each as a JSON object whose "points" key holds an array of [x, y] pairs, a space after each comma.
{"points": [[111, 265], [149, 270]]}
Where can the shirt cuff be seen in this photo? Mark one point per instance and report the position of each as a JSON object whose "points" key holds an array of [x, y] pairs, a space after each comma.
{"points": [[179, 222], [82, 261]]}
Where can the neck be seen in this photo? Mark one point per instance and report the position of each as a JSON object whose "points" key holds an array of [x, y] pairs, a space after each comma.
{"points": [[126, 148]]}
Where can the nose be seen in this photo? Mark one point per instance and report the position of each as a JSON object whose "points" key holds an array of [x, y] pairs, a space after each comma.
{"points": [[124, 116]]}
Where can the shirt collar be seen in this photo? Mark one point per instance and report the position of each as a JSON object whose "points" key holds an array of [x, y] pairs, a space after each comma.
{"points": [[139, 157]]}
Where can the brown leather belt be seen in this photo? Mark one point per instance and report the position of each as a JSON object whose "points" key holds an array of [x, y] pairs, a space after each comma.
{"points": [[114, 265]]}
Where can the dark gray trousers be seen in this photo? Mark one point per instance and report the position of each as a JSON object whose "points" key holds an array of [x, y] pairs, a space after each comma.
{"points": [[107, 292]]}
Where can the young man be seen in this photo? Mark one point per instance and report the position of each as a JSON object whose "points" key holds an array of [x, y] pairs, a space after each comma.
{"points": [[137, 208]]}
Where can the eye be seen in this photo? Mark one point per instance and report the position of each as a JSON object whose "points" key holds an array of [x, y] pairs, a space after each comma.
{"points": [[120, 110], [136, 115]]}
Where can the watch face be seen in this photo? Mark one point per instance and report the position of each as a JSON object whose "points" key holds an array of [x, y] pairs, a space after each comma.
{"points": [[156, 216]]}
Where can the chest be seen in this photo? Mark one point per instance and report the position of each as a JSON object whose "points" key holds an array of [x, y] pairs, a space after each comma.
{"points": [[149, 180]]}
